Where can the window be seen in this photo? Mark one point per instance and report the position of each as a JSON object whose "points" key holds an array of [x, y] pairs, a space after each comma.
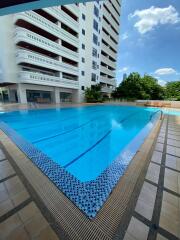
{"points": [[83, 46], [94, 52], [82, 87], [95, 25], [83, 17], [82, 73], [94, 65], [95, 39], [83, 31], [83, 60], [93, 77], [96, 11]]}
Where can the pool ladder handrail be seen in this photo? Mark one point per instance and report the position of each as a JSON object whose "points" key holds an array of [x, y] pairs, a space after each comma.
{"points": [[155, 113]]}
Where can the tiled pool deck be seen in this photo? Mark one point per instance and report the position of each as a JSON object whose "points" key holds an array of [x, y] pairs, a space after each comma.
{"points": [[143, 206]]}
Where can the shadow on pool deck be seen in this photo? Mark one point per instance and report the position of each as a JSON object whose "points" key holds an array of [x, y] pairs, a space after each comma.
{"points": [[144, 205]]}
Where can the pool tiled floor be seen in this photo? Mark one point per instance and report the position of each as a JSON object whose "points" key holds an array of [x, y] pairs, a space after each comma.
{"points": [[157, 212], [155, 216], [20, 218]]}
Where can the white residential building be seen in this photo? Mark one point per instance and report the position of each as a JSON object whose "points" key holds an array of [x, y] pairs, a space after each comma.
{"points": [[53, 54]]}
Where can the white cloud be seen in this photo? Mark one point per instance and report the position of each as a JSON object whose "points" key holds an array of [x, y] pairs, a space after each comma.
{"points": [[151, 17], [124, 36], [165, 71], [124, 69], [162, 82]]}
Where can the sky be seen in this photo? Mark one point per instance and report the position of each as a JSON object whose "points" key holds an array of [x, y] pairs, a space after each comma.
{"points": [[150, 39]]}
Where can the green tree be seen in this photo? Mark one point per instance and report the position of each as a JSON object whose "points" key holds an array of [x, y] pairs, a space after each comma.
{"points": [[93, 93], [173, 90], [137, 87]]}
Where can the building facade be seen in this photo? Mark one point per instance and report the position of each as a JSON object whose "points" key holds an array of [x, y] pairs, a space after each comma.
{"points": [[53, 54]]}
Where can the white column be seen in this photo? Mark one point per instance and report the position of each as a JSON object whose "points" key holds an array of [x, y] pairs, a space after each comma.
{"points": [[56, 95], [21, 91]]}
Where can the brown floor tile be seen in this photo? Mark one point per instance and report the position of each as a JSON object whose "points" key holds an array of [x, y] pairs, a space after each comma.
{"points": [[159, 147], [170, 212], [160, 237], [28, 212], [5, 169], [9, 225], [153, 172], [5, 207], [146, 200], [35, 225], [156, 157], [3, 193], [137, 229], [47, 234], [14, 186], [2, 156], [20, 197], [171, 180], [173, 162], [18, 233]]}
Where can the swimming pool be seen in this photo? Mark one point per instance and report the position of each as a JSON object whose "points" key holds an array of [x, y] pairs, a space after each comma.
{"points": [[83, 150]]}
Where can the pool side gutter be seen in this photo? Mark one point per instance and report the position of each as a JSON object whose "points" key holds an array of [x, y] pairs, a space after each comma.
{"points": [[65, 217]]}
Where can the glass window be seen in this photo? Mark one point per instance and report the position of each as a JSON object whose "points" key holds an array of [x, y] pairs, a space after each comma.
{"points": [[83, 31], [83, 60], [95, 39], [82, 73], [96, 11], [83, 46], [94, 52], [94, 65], [82, 87], [93, 77], [95, 25], [83, 16]]}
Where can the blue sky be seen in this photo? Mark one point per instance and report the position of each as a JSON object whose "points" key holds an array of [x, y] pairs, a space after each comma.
{"points": [[150, 39]]}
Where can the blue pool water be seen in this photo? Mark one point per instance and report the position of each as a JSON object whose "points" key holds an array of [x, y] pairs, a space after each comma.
{"points": [[85, 140]]}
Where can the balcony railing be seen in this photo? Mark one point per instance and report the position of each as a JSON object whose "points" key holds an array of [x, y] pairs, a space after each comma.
{"points": [[63, 17], [108, 61], [44, 79], [109, 40], [107, 71], [108, 51], [25, 56], [108, 80], [106, 90], [48, 26], [22, 34]]}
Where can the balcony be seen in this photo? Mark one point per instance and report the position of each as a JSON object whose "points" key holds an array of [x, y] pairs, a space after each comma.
{"points": [[24, 35], [63, 17], [73, 8], [108, 16], [106, 90], [109, 41], [111, 9], [117, 5], [108, 28], [107, 81], [43, 79], [25, 56], [107, 71], [108, 51], [108, 61], [46, 25]]}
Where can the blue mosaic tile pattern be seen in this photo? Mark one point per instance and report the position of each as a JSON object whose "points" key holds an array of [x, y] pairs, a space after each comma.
{"points": [[89, 196]]}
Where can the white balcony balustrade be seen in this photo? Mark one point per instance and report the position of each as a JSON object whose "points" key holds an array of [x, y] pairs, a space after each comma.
{"points": [[25, 56], [24, 35], [44, 79]]}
